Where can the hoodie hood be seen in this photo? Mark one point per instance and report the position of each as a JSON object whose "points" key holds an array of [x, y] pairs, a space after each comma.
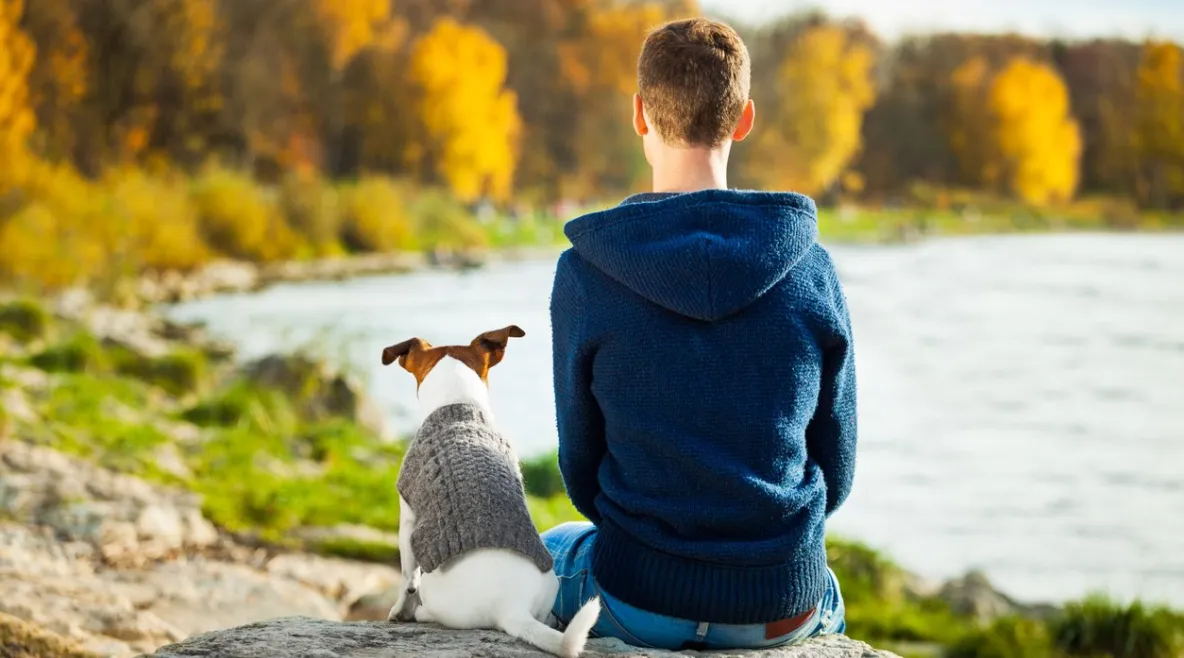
{"points": [[706, 254]]}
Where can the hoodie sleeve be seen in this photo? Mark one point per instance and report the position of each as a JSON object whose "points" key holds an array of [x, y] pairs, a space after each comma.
{"points": [[580, 423], [831, 434]]}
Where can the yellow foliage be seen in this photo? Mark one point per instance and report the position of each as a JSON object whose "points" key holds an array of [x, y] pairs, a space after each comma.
{"points": [[375, 217], [469, 119], [351, 25], [70, 230], [239, 219], [614, 43], [1159, 125], [17, 54], [1038, 141], [313, 210], [826, 86], [57, 237], [160, 227], [441, 221]]}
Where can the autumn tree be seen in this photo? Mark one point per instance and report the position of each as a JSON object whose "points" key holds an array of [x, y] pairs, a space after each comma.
{"points": [[824, 86], [59, 79], [1038, 141], [17, 121], [349, 27], [468, 120], [1159, 125], [599, 68], [906, 132], [154, 67], [1100, 75], [970, 124]]}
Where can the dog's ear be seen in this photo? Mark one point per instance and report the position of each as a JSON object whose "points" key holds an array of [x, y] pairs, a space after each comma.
{"points": [[400, 351], [494, 342]]}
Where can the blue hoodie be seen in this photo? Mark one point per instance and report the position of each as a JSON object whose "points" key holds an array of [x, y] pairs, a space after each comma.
{"points": [[705, 392]]}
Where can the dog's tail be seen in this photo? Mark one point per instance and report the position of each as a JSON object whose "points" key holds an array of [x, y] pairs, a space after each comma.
{"points": [[568, 644]]}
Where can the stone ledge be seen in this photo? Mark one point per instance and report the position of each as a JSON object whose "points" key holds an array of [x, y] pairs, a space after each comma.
{"points": [[298, 637]]}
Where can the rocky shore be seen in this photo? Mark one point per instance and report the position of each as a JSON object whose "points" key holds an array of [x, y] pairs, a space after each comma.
{"points": [[122, 567], [241, 276]]}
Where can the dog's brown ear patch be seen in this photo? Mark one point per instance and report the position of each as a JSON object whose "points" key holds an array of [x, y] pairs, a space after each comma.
{"points": [[395, 352], [494, 342]]}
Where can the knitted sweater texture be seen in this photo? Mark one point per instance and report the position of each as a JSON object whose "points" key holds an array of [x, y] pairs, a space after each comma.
{"points": [[705, 390], [461, 478]]}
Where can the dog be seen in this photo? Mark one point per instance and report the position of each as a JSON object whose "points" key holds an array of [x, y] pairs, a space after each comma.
{"points": [[457, 581]]}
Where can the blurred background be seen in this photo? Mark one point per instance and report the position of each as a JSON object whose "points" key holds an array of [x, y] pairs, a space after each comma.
{"points": [[215, 213]]}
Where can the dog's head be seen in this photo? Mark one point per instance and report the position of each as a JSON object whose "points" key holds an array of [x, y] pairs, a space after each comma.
{"points": [[418, 357]]}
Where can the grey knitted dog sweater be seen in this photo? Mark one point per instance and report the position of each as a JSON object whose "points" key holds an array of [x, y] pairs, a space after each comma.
{"points": [[462, 480]]}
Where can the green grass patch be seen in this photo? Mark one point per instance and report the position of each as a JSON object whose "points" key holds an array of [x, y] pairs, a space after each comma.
{"points": [[1010, 637], [1093, 628], [1098, 626], [101, 419], [880, 610], [177, 373], [81, 352], [541, 476], [260, 410], [261, 482], [23, 319], [356, 549], [550, 512]]}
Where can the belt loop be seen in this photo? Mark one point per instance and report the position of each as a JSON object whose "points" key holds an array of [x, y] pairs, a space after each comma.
{"points": [[701, 631]]}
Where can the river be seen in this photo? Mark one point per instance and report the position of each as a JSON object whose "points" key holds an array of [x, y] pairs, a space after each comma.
{"points": [[1021, 398]]}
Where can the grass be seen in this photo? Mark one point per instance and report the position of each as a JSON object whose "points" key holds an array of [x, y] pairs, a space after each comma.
{"points": [[1098, 626], [954, 212], [24, 320], [541, 476]]}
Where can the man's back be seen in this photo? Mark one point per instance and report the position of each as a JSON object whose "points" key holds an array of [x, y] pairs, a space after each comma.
{"points": [[705, 393]]}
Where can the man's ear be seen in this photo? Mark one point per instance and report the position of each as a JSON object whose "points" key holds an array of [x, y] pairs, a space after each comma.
{"points": [[494, 342], [747, 117], [400, 351], [639, 125]]}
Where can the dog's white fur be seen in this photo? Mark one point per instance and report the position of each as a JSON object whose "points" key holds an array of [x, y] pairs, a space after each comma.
{"points": [[488, 588]]}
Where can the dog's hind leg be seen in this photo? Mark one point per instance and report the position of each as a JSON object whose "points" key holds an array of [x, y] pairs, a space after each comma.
{"points": [[423, 615], [406, 608]]}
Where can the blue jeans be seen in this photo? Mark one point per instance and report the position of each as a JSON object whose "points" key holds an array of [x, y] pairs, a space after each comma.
{"points": [[571, 546]]}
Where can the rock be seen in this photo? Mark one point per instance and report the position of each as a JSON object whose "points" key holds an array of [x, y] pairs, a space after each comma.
{"points": [[226, 276], [123, 567], [319, 389], [343, 581], [19, 639], [293, 637], [374, 606], [973, 595], [334, 269], [125, 520]]}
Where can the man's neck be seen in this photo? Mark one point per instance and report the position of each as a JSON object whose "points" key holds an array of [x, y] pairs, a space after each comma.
{"points": [[690, 170]]}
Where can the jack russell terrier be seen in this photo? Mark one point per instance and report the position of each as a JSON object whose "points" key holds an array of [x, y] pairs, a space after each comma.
{"points": [[470, 553]]}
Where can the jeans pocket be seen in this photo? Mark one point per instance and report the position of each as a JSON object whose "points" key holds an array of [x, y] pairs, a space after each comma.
{"points": [[617, 629], [570, 596]]}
